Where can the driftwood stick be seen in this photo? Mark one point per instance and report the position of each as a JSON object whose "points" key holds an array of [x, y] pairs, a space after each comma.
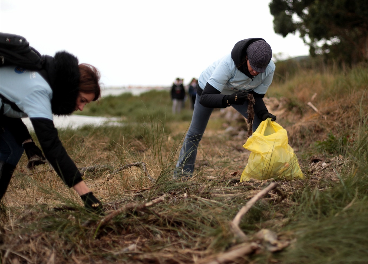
{"points": [[229, 256], [315, 109], [130, 206], [235, 223]]}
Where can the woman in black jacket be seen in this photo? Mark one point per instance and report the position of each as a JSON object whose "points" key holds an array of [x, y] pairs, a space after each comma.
{"points": [[60, 88]]}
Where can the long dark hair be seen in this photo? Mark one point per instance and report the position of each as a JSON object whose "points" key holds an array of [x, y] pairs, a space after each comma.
{"points": [[89, 80]]}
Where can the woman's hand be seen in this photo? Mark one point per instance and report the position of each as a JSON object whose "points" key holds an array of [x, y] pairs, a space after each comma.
{"points": [[91, 203]]}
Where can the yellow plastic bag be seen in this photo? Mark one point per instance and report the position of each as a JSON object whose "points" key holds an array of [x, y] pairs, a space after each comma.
{"points": [[271, 155]]}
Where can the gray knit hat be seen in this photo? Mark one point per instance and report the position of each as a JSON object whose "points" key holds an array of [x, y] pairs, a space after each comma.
{"points": [[259, 55]]}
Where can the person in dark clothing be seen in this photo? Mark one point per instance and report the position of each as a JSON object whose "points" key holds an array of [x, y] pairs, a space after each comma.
{"points": [[227, 82], [177, 95], [192, 90], [60, 88]]}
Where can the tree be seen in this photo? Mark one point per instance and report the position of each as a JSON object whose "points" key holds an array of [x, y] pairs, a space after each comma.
{"points": [[337, 29]]}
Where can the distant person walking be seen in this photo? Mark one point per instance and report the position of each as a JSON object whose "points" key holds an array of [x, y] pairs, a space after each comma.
{"points": [[177, 96], [248, 69], [192, 90]]}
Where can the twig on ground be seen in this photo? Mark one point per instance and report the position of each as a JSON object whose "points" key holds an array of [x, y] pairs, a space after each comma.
{"points": [[93, 168], [235, 223], [18, 254], [131, 206], [76, 260], [315, 109], [234, 253]]}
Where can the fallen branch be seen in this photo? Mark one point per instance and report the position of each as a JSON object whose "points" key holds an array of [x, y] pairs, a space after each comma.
{"points": [[94, 168], [127, 207], [235, 223], [229, 256], [315, 109], [16, 253]]}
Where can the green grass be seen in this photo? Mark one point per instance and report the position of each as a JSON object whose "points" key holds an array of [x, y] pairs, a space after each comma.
{"points": [[149, 106]]}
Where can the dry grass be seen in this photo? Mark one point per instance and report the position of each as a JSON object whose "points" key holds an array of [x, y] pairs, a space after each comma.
{"points": [[44, 222], [190, 225]]}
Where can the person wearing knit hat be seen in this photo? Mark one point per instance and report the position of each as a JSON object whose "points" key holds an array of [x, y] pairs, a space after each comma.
{"points": [[247, 69], [259, 55]]}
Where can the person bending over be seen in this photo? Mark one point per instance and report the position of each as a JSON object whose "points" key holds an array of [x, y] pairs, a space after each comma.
{"points": [[61, 87], [248, 69]]}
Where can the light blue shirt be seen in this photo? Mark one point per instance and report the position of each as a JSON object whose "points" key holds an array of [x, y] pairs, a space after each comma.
{"points": [[225, 77], [28, 90]]}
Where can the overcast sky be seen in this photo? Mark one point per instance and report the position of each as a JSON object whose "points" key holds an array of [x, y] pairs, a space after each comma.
{"points": [[144, 42]]}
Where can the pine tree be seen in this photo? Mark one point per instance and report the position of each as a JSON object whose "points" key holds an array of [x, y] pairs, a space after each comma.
{"points": [[337, 29]]}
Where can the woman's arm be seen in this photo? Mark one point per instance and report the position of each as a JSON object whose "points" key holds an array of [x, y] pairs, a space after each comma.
{"points": [[54, 151], [81, 188], [211, 97]]}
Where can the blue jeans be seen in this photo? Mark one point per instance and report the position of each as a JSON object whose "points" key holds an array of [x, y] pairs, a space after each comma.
{"points": [[188, 152], [10, 150]]}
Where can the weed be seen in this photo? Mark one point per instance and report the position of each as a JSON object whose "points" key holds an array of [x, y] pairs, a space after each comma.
{"points": [[333, 145]]}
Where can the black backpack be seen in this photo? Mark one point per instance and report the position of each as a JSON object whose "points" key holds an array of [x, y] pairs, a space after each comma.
{"points": [[15, 50]]}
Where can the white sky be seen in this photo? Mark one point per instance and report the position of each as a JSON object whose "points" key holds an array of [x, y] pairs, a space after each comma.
{"points": [[144, 42]]}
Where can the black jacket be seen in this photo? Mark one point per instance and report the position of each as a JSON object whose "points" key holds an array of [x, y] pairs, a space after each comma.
{"points": [[62, 74], [177, 91]]}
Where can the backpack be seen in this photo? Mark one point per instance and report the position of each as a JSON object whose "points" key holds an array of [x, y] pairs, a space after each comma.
{"points": [[15, 50]]}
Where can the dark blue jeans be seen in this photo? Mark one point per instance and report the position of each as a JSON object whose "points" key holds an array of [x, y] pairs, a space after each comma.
{"points": [[188, 152], [10, 150]]}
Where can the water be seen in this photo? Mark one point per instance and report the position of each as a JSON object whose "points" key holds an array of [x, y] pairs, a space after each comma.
{"points": [[132, 90], [77, 121]]}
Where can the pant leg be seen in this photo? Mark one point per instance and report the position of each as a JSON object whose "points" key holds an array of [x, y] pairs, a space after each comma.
{"points": [[10, 154], [10, 150], [188, 152], [180, 105], [176, 106], [6, 172]]}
